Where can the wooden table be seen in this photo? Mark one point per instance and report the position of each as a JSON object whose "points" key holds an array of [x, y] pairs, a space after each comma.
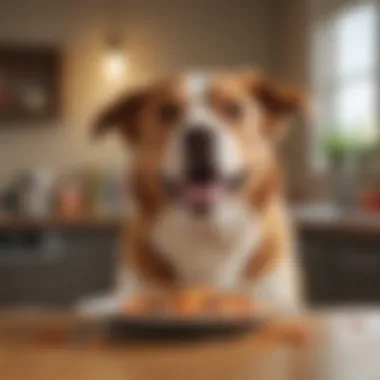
{"points": [[47, 346]]}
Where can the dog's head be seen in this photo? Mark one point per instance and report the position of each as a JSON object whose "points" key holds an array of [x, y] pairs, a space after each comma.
{"points": [[200, 138]]}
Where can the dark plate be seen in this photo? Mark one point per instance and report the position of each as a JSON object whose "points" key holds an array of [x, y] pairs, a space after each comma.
{"points": [[121, 327]]}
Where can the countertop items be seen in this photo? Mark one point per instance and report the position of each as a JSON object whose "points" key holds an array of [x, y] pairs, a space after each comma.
{"points": [[42, 193]]}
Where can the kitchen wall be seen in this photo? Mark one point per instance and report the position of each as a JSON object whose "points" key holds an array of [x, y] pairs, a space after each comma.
{"points": [[292, 65], [161, 36]]}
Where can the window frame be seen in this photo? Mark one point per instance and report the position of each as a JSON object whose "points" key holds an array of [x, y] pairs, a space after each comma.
{"points": [[327, 91]]}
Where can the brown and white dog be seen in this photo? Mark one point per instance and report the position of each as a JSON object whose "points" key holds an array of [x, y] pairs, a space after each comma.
{"points": [[207, 181]]}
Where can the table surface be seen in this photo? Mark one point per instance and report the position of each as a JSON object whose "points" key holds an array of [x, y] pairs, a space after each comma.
{"points": [[46, 346]]}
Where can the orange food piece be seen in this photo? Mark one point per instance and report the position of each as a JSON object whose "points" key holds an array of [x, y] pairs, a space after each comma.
{"points": [[190, 301], [197, 302], [147, 304]]}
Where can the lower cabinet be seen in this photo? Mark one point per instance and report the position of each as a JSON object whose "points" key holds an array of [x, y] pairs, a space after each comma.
{"points": [[341, 269], [55, 267]]}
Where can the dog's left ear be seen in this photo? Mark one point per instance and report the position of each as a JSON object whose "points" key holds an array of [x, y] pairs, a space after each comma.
{"points": [[121, 115], [281, 102]]}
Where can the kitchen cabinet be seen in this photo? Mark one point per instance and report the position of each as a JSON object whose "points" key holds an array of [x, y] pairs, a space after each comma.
{"points": [[54, 264], [341, 260]]}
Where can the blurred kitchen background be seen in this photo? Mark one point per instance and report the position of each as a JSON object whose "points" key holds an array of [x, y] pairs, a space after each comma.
{"points": [[63, 197]]}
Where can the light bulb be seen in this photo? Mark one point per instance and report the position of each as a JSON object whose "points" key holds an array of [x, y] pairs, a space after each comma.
{"points": [[115, 65]]}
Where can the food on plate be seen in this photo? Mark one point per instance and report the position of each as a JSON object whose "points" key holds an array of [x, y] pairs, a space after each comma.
{"points": [[200, 302], [151, 303]]}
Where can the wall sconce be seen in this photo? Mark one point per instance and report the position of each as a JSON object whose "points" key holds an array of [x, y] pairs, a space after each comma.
{"points": [[114, 60]]}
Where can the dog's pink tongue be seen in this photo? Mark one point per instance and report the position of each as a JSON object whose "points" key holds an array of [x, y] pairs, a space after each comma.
{"points": [[201, 193]]}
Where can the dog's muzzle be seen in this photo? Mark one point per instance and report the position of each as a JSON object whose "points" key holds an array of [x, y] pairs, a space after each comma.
{"points": [[203, 183]]}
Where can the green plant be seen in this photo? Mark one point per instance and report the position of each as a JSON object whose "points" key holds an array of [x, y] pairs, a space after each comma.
{"points": [[338, 145]]}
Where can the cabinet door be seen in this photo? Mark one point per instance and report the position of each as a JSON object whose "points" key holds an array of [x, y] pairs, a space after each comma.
{"points": [[60, 269], [342, 269]]}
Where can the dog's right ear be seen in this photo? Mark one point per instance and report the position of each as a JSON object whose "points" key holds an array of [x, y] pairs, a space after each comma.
{"points": [[122, 115]]}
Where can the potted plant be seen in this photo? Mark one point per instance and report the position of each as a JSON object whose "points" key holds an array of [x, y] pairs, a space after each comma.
{"points": [[344, 153]]}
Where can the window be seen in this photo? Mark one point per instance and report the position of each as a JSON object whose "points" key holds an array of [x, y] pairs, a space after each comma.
{"points": [[345, 65]]}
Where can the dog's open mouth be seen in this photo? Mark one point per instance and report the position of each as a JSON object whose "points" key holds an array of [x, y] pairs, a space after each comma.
{"points": [[201, 196]]}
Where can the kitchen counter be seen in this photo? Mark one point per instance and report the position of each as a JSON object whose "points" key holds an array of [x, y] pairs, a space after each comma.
{"points": [[93, 222], [47, 346], [34, 346], [307, 217], [330, 219]]}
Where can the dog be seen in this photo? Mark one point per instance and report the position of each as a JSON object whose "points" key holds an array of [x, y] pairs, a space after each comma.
{"points": [[208, 184]]}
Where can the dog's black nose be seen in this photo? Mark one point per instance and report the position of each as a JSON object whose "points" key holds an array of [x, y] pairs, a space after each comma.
{"points": [[199, 154], [198, 143]]}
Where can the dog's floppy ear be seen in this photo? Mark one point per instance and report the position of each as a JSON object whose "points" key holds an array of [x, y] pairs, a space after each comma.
{"points": [[122, 114], [280, 102]]}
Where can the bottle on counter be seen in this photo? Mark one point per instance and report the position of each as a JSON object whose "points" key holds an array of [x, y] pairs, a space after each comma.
{"points": [[37, 193]]}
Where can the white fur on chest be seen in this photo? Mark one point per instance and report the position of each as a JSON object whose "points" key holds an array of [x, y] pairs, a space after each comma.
{"points": [[212, 251]]}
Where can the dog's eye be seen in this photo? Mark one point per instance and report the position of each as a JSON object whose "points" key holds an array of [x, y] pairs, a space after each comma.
{"points": [[169, 113], [233, 110]]}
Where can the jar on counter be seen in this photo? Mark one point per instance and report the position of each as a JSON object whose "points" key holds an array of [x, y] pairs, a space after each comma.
{"points": [[70, 200]]}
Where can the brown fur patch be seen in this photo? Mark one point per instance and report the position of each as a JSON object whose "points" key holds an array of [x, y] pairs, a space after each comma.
{"points": [[279, 98], [261, 193], [277, 241], [144, 259], [123, 111], [150, 200], [265, 257]]}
